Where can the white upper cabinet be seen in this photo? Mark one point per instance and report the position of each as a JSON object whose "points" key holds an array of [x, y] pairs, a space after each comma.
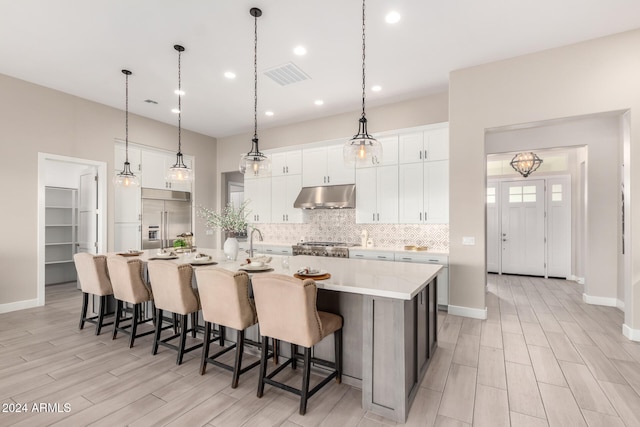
{"points": [[284, 191], [154, 168], [257, 191], [377, 195], [134, 158], [287, 163], [389, 152], [428, 145], [324, 165]]}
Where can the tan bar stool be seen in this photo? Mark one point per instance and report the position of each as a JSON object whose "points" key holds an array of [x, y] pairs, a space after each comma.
{"points": [[172, 292], [224, 296], [94, 279], [287, 311], [130, 287]]}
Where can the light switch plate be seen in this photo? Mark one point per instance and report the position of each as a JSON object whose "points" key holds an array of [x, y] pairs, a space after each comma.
{"points": [[209, 232], [468, 241]]}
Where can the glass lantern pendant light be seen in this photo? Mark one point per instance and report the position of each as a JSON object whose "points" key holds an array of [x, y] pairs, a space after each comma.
{"points": [[179, 172], [254, 162], [126, 178], [362, 149], [526, 163]]}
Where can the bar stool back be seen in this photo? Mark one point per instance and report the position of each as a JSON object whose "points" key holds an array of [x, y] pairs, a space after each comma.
{"points": [[129, 286], [225, 301], [94, 279], [287, 311], [172, 292]]}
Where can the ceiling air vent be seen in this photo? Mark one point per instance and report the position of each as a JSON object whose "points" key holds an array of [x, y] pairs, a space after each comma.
{"points": [[286, 74]]}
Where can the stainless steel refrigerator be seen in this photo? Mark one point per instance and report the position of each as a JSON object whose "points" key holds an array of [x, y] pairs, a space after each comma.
{"points": [[165, 215]]}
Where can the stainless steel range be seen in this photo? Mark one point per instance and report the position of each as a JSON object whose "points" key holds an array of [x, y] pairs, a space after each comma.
{"points": [[332, 249]]}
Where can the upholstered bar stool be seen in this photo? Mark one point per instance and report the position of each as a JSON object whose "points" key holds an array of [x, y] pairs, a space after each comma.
{"points": [[130, 287], [224, 296], [94, 279], [172, 292], [287, 311]]}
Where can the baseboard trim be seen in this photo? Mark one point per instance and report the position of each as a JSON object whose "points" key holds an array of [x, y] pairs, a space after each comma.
{"points": [[19, 305], [620, 304], [632, 334], [474, 313], [608, 302]]}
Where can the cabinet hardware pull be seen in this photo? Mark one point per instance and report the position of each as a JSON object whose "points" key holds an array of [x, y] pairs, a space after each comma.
{"points": [[408, 259], [378, 215], [425, 216], [287, 169], [283, 169], [425, 155], [328, 179], [382, 257], [420, 216], [420, 154], [373, 217]]}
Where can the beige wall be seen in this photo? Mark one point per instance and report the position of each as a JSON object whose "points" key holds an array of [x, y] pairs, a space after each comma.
{"points": [[36, 119], [586, 78]]}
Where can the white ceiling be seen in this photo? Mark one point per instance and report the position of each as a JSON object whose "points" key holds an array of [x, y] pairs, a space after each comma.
{"points": [[80, 46]]}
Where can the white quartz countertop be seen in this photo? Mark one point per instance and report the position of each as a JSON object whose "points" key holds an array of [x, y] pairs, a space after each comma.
{"points": [[397, 280]]}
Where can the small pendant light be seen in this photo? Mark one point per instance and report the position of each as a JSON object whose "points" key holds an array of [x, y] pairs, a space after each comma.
{"points": [[526, 163], [126, 178], [254, 162], [179, 172], [362, 149]]}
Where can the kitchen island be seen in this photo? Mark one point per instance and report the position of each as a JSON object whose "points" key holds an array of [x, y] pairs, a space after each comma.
{"points": [[390, 322]]}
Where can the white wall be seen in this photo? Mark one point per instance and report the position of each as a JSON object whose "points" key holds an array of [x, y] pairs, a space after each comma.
{"points": [[36, 119], [586, 78]]}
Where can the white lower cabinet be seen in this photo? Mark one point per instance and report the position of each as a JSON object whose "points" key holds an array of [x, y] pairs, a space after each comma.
{"points": [[277, 249], [443, 277], [374, 255], [284, 191]]}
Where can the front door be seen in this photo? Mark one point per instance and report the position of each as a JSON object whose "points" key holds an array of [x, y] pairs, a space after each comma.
{"points": [[522, 236]]}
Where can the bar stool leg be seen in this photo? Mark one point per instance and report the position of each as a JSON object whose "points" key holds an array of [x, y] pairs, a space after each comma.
{"points": [[134, 324], [194, 324], [156, 336], [205, 347], [83, 313], [101, 309], [238, 365], [175, 323], [184, 325], [263, 365], [305, 381], [337, 336], [294, 360], [116, 322]]}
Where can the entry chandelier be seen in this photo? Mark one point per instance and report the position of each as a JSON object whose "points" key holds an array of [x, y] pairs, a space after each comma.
{"points": [[526, 163], [126, 178], [362, 149], [254, 162], [179, 172]]}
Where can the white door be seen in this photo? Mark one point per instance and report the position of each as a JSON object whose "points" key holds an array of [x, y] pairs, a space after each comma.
{"points": [[493, 228], [559, 227], [523, 227], [88, 211]]}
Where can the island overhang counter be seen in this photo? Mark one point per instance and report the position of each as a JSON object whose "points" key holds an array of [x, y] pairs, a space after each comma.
{"points": [[390, 322]]}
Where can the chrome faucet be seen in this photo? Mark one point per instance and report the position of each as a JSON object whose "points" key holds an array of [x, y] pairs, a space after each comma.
{"points": [[251, 241]]}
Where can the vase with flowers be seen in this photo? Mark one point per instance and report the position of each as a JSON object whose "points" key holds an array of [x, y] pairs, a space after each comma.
{"points": [[232, 221]]}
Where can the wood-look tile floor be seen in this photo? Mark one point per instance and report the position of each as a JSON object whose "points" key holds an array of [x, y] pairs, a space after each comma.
{"points": [[542, 357]]}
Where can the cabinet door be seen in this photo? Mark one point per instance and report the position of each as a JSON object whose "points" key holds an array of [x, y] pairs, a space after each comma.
{"points": [[422, 311], [389, 150], [411, 147], [294, 162], [314, 166], [337, 172], [258, 192], [153, 170], [366, 195], [127, 204], [436, 144], [387, 194], [278, 199], [134, 158], [410, 193], [293, 187], [126, 236], [436, 192], [278, 164]]}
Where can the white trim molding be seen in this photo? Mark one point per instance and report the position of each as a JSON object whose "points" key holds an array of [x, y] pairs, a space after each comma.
{"points": [[474, 313], [608, 302], [632, 334], [620, 304], [20, 305]]}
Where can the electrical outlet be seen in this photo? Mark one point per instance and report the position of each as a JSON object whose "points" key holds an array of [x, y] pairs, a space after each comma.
{"points": [[209, 232]]}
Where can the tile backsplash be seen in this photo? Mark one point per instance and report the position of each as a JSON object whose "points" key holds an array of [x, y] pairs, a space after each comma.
{"points": [[339, 225]]}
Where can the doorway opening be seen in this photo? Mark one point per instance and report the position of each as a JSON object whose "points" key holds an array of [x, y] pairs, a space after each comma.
{"points": [[232, 192], [71, 215]]}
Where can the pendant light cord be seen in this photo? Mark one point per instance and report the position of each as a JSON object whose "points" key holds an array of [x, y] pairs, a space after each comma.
{"points": [[255, 76], [363, 60], [179, 103], [126, 118]]}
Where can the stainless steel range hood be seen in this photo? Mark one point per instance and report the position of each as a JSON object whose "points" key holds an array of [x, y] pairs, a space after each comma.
{"points": [[327, 197]]}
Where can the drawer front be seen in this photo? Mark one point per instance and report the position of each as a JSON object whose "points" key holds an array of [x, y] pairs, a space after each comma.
{"points": [[373, 255], [422, 258]]}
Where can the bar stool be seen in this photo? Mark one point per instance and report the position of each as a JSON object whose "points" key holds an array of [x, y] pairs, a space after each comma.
{"points": [[94, 279], [224, 296], [172, 292], [129, 286], [287, 311]]}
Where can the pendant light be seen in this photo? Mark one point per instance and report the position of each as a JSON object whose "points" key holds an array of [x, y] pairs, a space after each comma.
{"points": [[126, 178], [362, 149], [254, 162], [179, 172], [526, 163]]}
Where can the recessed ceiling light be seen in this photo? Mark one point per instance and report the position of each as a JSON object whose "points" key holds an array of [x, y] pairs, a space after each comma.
{"points": [[392, 17], [230, 75], [300, 50], [268, 113], [376, 88], [319, 102], [175, 110], [179, 92]]}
